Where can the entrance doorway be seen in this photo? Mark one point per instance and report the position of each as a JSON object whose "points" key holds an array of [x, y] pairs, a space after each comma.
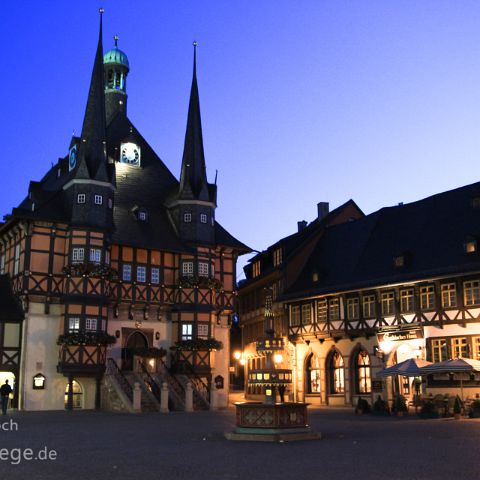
{"points": [[77, 395], [135, 341], [11, 381]]}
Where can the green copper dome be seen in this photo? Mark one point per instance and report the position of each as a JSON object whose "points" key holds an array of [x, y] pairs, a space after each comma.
{"points": [[115, 55]]}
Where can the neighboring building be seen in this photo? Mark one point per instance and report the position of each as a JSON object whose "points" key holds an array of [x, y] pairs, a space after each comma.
{"points": [[110, 247], [403, 282], [274, 271]]}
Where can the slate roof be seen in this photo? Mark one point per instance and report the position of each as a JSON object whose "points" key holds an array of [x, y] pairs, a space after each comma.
{"points": [[430, 234], [11, 309]]}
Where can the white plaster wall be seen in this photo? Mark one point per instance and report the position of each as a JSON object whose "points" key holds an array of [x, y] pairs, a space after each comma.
{"points": [[221, 360]]}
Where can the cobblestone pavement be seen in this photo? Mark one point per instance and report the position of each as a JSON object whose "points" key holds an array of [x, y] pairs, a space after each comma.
{"points": [[99, 445]]}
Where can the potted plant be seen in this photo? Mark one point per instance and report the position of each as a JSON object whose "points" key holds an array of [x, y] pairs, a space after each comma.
{"points": [[400, 406], [457, 408], [429, 410], [362, 406], [380, 407]]}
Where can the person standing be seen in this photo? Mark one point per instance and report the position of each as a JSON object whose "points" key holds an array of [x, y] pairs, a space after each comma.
{"points": [[5, 391]]}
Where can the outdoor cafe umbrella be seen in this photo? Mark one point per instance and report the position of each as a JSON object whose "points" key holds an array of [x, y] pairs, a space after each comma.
{"points": [[455, 365], [408, 368]]}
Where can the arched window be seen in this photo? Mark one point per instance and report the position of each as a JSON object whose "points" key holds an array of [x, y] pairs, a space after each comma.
{"points": [[363, 373], [313, 374], [336, 373]]}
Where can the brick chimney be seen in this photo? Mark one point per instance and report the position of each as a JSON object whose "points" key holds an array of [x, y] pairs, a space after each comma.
{"points": [[323, 209], [301, 225]]}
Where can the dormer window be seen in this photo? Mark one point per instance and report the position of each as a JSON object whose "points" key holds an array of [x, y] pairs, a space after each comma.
{"points": [[81, 198], [399, 261], [142, 215], [470, 245], [476, 202], [59, 173], [187, 217], [203, 218], [315, 277], [98, 200]]}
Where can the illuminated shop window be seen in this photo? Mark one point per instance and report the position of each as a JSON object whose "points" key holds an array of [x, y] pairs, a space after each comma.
{"points": [[363, 372], [313, 374], [337, 373]]}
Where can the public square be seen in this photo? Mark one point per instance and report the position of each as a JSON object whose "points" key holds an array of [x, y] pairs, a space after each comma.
{"points": [[180, 446]]}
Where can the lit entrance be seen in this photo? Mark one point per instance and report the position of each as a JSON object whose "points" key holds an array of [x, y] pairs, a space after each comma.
{"points": [[135, 341], [11, 381], [77, 396]]}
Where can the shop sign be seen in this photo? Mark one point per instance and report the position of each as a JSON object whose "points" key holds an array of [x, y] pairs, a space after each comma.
{"points": [[400, 335]]}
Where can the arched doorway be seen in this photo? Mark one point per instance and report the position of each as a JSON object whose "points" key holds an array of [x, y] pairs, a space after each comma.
{"points": [[336, 373], [13, 403], [77, 395], [134, 341], [312, 377]]}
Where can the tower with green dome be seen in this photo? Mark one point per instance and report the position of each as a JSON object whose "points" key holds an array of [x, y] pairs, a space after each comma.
{"points": [[116, 70]]}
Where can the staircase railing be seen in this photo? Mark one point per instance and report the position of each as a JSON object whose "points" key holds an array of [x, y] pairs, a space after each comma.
{"points": [[115, 372], [172, 381], [151, 384], [200, 386]]}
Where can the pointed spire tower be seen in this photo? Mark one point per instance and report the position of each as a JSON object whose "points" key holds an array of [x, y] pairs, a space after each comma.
{"points": [[194, 205], [91, 189]]}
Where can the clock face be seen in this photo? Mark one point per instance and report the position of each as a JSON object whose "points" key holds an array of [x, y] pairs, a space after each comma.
{"points": [[130, 153], [72, 158]]}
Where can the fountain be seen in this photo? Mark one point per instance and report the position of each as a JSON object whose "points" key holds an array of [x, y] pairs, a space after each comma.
{"points": [[270, 421]]}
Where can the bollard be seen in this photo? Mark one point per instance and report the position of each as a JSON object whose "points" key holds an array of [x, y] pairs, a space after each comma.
{"points": [[137, 397], [213, 396], [164, 398], [189, 398]]}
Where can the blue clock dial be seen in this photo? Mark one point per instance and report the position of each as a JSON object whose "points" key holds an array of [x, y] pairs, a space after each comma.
{"points": [[72, 158]]}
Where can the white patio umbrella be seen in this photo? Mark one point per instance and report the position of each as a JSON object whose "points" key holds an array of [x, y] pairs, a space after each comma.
{"points": [[454, 365]]}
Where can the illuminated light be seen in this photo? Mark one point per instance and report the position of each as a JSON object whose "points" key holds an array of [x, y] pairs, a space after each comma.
{"points": [[237, 355], [259, 376], [243, 361], [268, 391], [278, 358], [386, 346], [151, 362], [266, 376]]}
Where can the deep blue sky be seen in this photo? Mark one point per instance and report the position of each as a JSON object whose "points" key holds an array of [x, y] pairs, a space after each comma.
{"points": [[302, 101]]}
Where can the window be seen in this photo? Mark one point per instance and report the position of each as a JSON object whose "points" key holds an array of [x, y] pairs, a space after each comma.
{"points": [[110, 203], [306, 314], [476, 348], [95, 255], [203, 269], [388, 303], [107, 257], [333, 309], [142, 216], [203, 218], [295, 316], [406, 301], [277, 257], [427, 298], [363, 377], [81, 198], [98, 200], [141, 274], [16, 263], [336, 373], [2, 264], [322, 310], [155, 275], [399, 261], [127, 273], [313, 374], [91, 324], [352, 308], [187, 329], [439, 350], [256, 269], [449, 295], [470, 246], [459, 348], [202, 330], [78, 255], [187, 269], [73, 324], [471, 292], [187, 217], [369, 306]]}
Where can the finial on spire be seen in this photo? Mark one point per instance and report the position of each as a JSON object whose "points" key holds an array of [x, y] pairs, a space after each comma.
{"points": [[195, 43], [101, 10], [195, 58], [115, 38]]}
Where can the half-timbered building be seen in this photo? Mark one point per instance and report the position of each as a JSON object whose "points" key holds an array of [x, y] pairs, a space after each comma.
{"points": [[111, 255], [403, 282]]}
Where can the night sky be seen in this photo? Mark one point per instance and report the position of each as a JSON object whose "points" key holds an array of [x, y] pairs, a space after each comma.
{"points": [[301, 101]]}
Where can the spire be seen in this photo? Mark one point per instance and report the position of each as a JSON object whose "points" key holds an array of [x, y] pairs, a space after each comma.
{"points": [[193, 178], [93, 145]]}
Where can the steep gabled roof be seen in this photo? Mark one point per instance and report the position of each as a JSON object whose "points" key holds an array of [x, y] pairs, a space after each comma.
{"points": [[429, 235]]}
